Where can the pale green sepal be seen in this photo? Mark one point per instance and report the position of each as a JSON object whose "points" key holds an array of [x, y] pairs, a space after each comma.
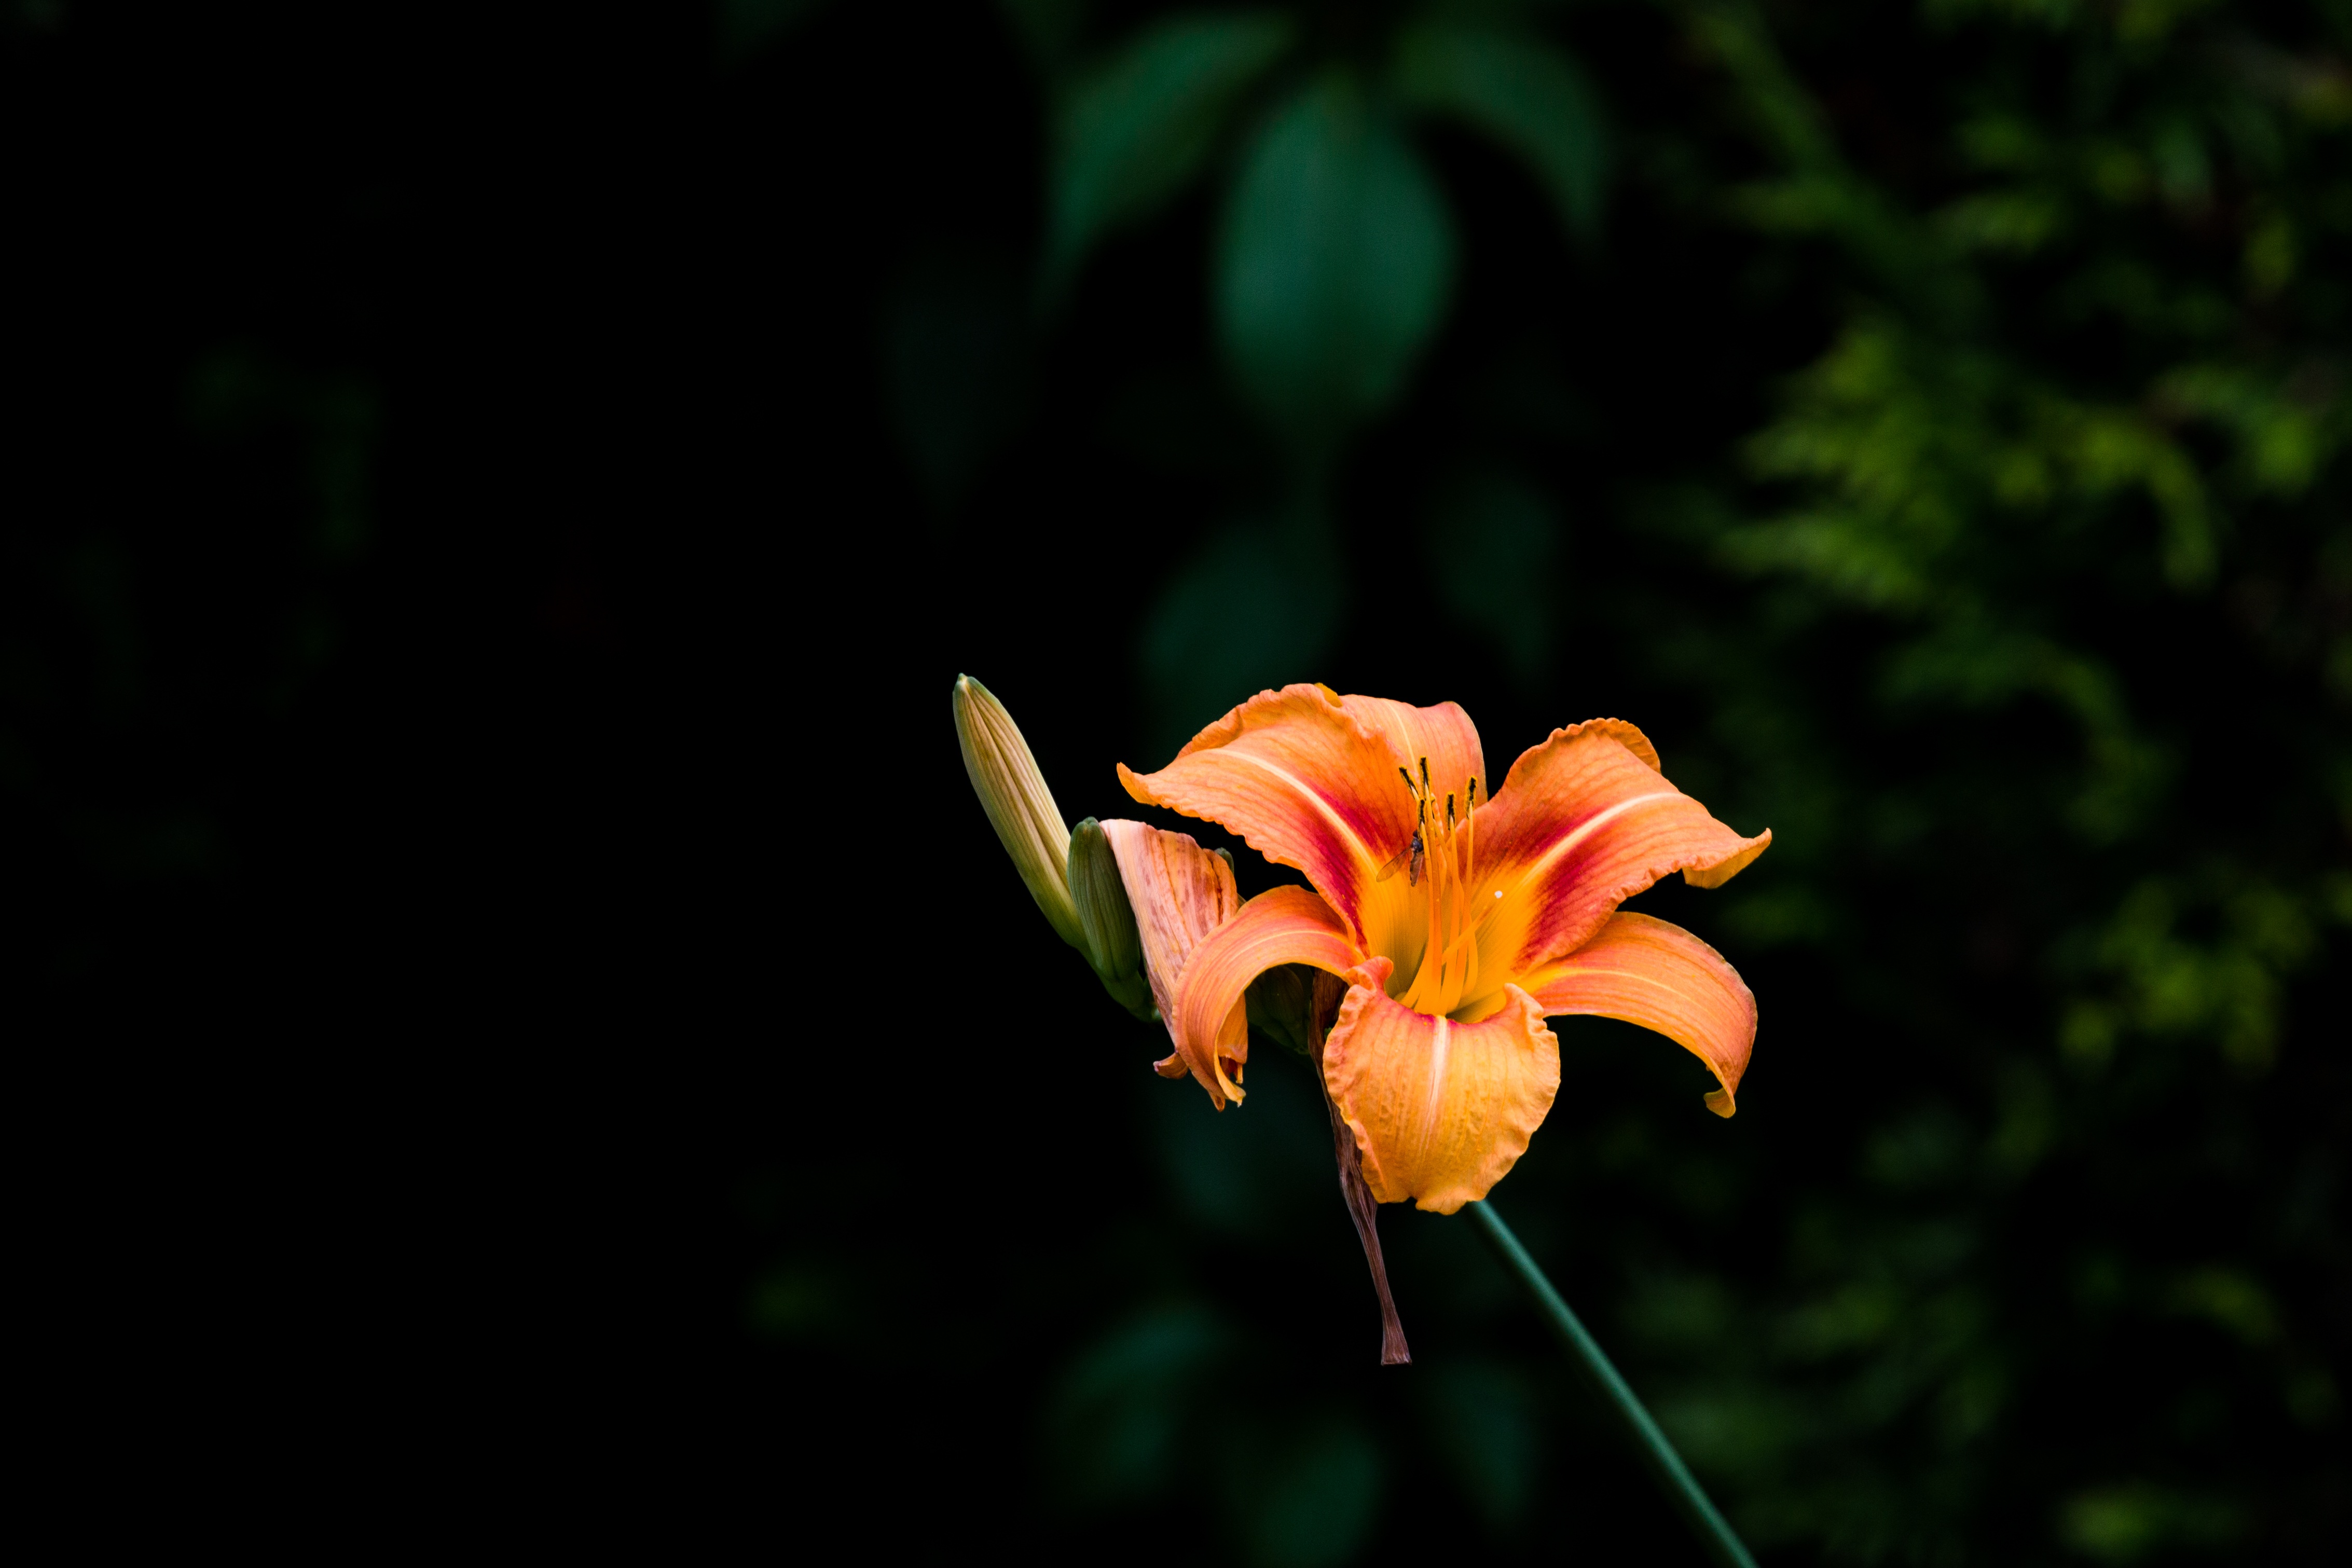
{"points": [[1099, 895]]}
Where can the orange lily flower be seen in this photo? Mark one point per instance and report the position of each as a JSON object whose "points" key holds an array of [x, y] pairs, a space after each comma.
{"points": [[1459, 915]]}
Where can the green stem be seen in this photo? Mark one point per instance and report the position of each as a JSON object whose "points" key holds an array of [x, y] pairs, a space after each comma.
{"points": [[1666, 1466]]}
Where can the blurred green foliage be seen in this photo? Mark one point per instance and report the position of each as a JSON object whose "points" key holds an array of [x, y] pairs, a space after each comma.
{"points": [[1985, 535], [1928, 421], [1335, 254]]}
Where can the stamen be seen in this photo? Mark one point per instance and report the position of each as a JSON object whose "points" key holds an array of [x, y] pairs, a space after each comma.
{"points": [[1453, 972], [1432, 976], [1449, 965], [1461, 960], [1470, 835]]}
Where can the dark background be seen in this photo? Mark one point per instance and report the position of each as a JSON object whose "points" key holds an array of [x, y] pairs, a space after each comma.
{"points": [[520, 1011]]}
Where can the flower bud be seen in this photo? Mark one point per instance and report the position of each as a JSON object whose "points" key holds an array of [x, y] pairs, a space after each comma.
{"points": [[1113, 941], [1019, 806]]}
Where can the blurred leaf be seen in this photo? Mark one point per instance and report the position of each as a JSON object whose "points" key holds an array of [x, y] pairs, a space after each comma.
{"points": [[956, 346], [1133, 131], [1334, 265], [1925, 1150], [1483, 1415], [1256, 607], [1307, 1496], [2230, 1298], [2228, 987], [1495, 540], [1116, 1417], [1531, 98], [2018, 222], [799, 1300], [1184, 422], [1248, 1176], [2127, 1524]]}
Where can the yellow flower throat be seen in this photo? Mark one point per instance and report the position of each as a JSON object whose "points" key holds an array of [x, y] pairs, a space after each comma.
{"points": [[1444, 853]]}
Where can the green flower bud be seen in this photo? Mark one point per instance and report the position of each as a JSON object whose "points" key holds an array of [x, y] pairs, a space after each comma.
{"points": [[1104, 914], [1019, 806]]}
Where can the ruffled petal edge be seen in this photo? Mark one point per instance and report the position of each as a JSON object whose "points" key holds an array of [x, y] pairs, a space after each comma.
{"points": [[1282, 925], [1658, 976], [1441, 1109]]}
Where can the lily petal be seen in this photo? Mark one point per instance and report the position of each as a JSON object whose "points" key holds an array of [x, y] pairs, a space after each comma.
{"points": [[1584, 822], [1391, 916], [1660, 976], [1441, 1109], [1281, 925], [1305, 783], [1443, 735], [1181, 893]]}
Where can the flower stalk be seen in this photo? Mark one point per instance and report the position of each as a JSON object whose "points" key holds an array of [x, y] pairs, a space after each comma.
{"points": [[1715, 1533]]}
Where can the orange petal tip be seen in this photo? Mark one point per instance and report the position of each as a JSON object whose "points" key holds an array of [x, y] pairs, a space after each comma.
{"points": [[1723, 871]]}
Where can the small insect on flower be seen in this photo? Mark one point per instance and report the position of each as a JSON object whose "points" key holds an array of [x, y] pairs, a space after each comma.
{"points": [[1409, 859]]}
